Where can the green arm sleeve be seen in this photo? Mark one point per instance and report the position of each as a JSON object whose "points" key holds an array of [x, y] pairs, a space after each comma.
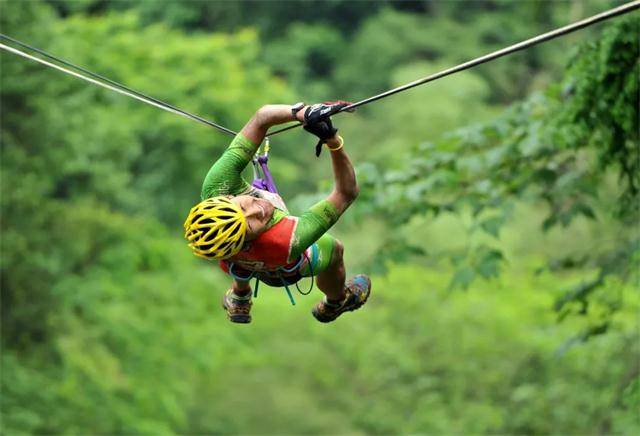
{"points": [[224, 177], [312, 225]]}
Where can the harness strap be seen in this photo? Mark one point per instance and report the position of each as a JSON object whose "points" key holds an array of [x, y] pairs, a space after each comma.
{"points": [[255, 288], [237, 277], [297, 265], [262, 179], [286, 288], [278, 273], [314, 255]]}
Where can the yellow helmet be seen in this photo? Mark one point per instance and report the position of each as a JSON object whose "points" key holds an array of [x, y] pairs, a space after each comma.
{"points": [[215, 228]]}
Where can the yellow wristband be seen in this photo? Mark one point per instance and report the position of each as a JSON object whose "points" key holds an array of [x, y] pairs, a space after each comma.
{"points": [[338, 147]]}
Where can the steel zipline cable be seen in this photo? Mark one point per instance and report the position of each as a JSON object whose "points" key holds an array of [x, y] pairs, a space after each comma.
{"points": [[626, 8], [122, 89], [110, 84]]}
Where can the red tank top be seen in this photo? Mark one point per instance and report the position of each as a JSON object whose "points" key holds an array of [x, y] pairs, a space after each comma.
{"points": [[268, 251]]}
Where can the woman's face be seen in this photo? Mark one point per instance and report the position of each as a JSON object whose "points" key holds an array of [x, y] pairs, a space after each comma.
{"points": [[256, 211]]}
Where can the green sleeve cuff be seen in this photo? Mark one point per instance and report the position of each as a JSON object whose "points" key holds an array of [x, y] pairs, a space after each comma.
{"points": [[243, 148], [312, 224]]}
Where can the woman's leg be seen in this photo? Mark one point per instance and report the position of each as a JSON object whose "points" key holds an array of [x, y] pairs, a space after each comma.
{"points": [[331, 280], [340, 296], [329, 268]]}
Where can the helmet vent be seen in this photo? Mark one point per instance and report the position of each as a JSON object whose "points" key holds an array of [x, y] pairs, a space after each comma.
{"points": [[211, 237], [215, 228]]}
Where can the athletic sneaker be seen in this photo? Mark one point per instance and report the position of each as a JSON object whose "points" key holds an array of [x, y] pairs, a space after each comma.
{"points": [[238, 309], [357, 289]]}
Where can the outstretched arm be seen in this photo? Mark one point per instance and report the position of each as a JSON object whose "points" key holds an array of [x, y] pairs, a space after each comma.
{"points": [[266, 117], [345, 189], [316, 221], [224, 177]]}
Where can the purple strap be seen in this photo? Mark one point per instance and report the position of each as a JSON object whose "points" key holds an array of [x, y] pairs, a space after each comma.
{"points": [[266, 182]]}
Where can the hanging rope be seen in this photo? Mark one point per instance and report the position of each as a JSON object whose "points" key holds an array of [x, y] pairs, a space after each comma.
{"points": [[626, 8], [110, 84]]}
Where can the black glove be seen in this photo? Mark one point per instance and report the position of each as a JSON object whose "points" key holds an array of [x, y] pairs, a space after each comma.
{"points": [[317, 120]]}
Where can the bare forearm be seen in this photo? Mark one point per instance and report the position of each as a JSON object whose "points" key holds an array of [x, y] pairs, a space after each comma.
{"points": [[346, 188], [266, 117]]}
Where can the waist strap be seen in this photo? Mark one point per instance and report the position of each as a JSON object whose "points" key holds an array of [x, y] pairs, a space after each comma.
{"points": [[281, 277]]}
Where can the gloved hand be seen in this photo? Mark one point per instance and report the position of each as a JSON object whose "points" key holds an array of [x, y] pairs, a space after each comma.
{"points": [[317, 120]]}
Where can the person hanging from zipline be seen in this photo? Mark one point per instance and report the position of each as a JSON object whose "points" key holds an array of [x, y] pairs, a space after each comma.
{"points": [[251, 233]]}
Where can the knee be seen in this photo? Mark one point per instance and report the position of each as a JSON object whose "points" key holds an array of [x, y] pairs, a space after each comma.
{"points": [[338, 251]]}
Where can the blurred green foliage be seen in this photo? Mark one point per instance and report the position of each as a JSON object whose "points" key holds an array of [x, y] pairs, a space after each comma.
{"points": [[517, 181], [559, 148]]}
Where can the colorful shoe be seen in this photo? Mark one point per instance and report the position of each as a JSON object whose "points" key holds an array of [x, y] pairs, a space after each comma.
{"points": [[358, 290], [238, 310]]}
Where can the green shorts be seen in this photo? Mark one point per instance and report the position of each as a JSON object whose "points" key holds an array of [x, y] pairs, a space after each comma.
{"points": [[319, 255]]}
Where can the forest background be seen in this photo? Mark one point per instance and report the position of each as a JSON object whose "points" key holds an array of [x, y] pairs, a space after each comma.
{"points": [[498, 219]]}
